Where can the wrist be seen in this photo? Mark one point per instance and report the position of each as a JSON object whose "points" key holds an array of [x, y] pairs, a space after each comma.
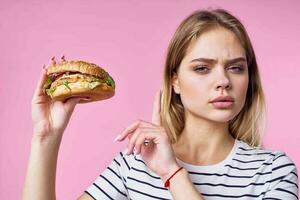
{"points": [[43, 131], [46, 140], [179, 175], [170, 172]]}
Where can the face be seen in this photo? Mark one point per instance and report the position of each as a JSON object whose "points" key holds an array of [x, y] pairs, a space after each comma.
{"points": [[215, 65]]}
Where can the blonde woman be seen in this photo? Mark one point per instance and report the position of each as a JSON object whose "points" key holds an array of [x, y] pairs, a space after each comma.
{"points": [[204, 140]]}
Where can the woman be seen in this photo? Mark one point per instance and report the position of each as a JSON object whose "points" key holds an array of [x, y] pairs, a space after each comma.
{"points": [[204, 139]]}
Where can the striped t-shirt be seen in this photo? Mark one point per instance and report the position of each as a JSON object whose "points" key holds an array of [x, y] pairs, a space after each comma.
{"points": [[246, 173]]}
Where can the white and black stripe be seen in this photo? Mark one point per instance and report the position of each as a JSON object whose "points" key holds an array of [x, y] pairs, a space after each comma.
{"points": [[247, 173]]}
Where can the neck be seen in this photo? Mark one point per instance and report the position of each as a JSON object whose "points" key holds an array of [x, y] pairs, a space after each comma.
{"points": [[203, 142]]}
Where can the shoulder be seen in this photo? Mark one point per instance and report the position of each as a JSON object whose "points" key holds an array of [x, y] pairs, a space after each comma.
{"points": [[246, 149], [276, 169], [280, 162]]}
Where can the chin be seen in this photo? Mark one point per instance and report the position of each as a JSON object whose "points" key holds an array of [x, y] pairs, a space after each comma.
{"points": [[221, 117]]}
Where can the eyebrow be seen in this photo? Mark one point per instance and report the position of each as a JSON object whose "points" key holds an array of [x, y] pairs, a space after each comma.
{"points": [[208, 60]]}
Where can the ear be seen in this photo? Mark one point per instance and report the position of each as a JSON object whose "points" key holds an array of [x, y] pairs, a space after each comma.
{"points": [[175, 83]]}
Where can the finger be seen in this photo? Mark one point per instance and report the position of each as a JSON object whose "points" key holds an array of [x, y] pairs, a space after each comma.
{"points": [[139, 144], [39, 93], [156, 109], [132, 139], [53, 61], [136, 134], [63, 59], [132, 128], [39, 89], [71, 102]]}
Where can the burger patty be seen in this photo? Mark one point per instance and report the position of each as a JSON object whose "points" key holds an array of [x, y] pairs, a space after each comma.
{"points": [[72, 78], [56, 76]]}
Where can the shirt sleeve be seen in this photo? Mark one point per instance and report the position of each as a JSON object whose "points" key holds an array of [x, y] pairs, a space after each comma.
{"points": [[284, 179], [111, 183]]}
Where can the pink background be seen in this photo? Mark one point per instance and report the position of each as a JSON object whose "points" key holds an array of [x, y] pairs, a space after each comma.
{"points": [[129, 39]]}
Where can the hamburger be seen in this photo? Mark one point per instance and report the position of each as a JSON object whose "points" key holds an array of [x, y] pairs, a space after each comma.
{"points": [[78, 78]]}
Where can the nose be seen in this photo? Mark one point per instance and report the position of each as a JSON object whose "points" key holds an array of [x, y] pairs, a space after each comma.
{"points": [[223, 82]]}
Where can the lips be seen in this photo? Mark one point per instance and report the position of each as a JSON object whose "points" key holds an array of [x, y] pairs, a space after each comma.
{"points": [[222, 102], [222, 99]]}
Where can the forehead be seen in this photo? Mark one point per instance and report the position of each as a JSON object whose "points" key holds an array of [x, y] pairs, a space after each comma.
{"points": [[218, 43]]}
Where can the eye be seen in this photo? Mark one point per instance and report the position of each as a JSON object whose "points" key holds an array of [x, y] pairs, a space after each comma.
{"points": [[201, 68], [237, 68]]}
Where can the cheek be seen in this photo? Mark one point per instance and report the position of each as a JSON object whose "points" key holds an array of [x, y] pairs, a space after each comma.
{"points": [[193, 90], [241, 89], [191, 84]]}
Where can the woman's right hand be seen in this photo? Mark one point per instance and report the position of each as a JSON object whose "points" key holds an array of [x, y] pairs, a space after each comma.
{"points": [[49, 117]]}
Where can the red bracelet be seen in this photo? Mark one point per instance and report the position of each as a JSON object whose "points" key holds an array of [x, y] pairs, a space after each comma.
{"points": [[167, 183]]}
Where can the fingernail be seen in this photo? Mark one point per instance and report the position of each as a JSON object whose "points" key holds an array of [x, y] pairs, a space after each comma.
{"points": [[53, 62], [118, 137]]}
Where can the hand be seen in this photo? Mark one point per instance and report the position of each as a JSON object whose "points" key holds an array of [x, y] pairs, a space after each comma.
{"points": [[158, 154], [49, 117]]}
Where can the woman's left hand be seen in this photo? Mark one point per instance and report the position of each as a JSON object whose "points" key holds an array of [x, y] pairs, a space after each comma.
{"points": [[158, 154]]}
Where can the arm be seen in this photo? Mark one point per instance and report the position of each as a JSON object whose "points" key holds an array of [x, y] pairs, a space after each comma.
{"points": [[158, 153], [50, 119], [41, 172], [40, 179]]}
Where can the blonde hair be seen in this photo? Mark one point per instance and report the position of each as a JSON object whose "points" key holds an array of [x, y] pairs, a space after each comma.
{"points": [[249, 124]]}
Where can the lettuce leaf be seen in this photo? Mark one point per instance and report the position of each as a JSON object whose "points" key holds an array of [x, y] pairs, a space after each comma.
{"points": [[110, 81], [65, 82], [47, 84], [50, 91]]}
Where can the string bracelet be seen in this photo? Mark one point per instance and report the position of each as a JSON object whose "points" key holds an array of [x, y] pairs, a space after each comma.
{"points": [[167, 183]]}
